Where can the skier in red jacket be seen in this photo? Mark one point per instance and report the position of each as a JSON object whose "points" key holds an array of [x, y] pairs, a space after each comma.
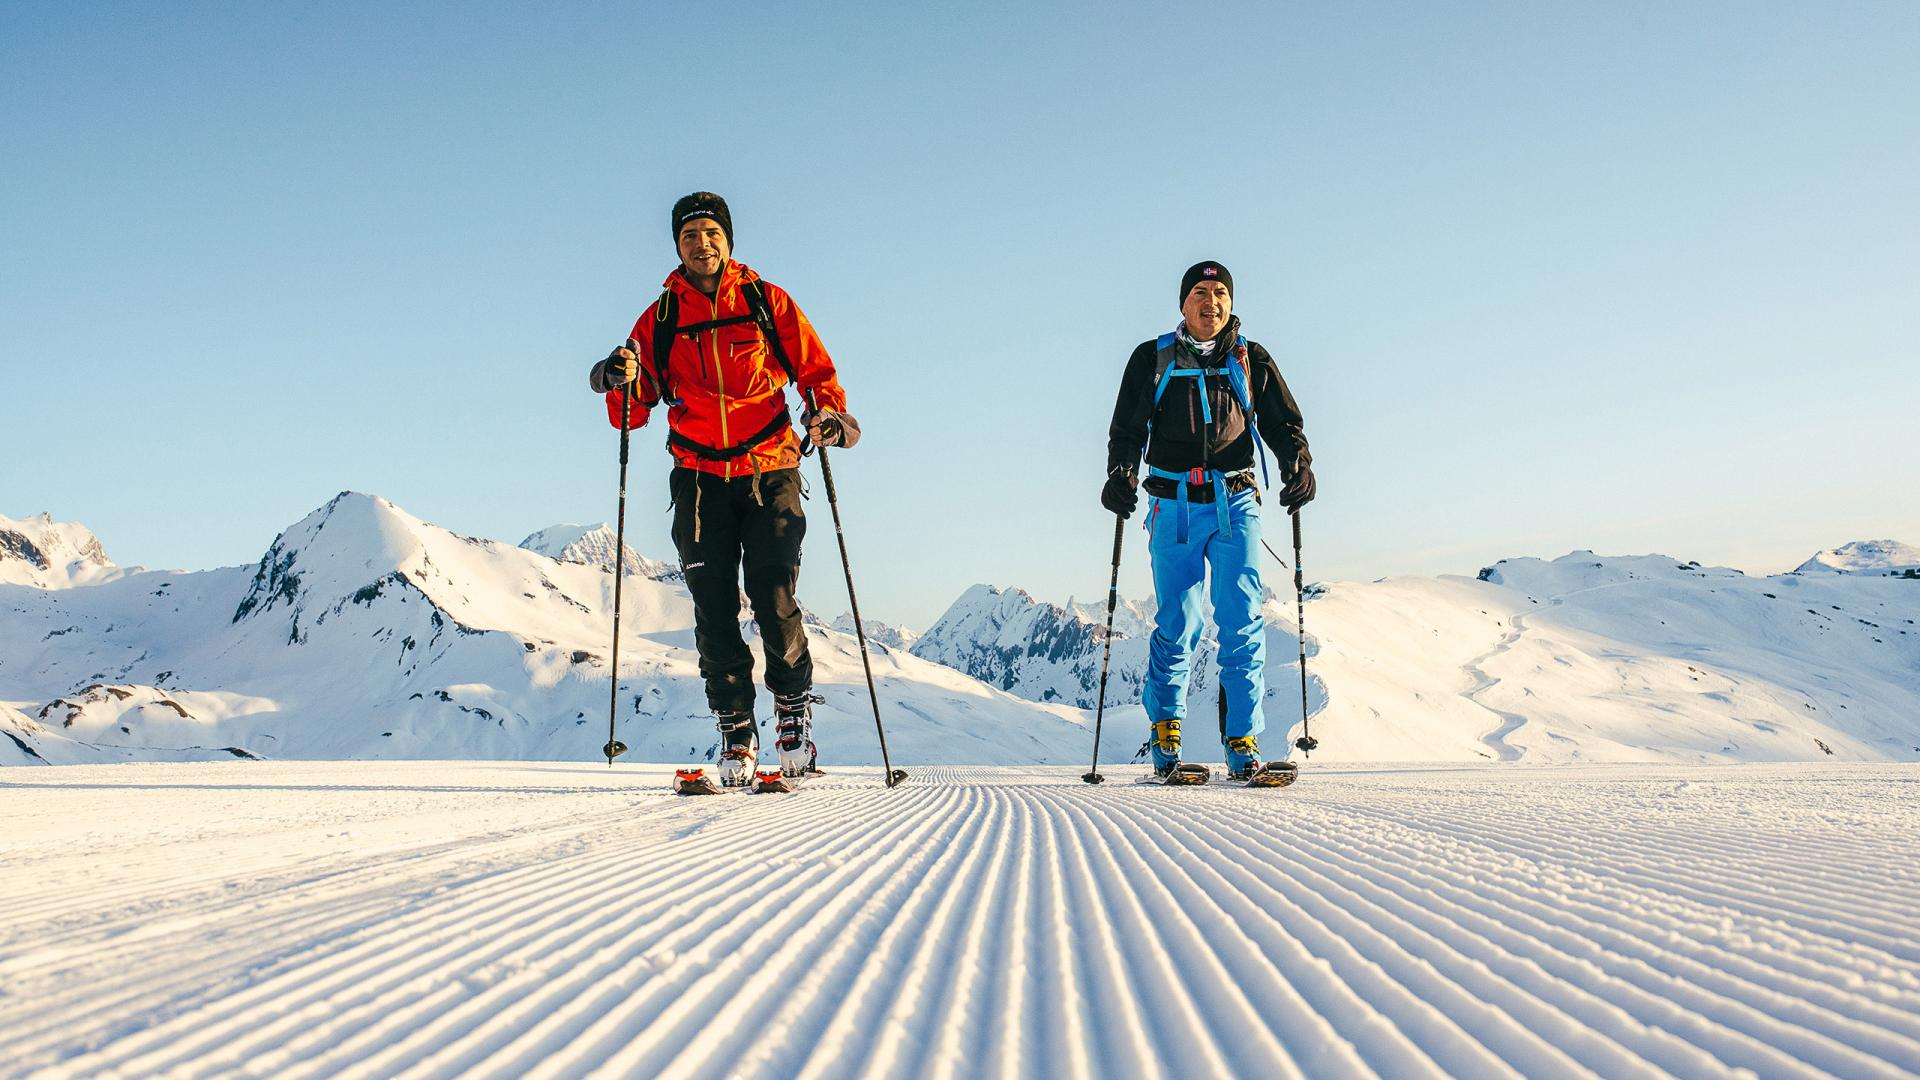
{"points": [[718, 349]]}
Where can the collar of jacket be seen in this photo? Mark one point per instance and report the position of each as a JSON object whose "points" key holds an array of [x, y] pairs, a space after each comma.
{"points": [[1222, 343], [731, 277]]}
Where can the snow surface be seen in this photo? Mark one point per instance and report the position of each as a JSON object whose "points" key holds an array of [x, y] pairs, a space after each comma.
{"points": [[430, 919]]}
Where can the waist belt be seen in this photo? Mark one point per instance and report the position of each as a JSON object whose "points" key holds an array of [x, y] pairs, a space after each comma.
{"points": [[1213, 479], [1237, 482], [779, 423]]}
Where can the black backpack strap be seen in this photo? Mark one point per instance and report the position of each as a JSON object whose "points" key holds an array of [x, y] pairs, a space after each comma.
{"points": [[666, 326], [756, 298]]}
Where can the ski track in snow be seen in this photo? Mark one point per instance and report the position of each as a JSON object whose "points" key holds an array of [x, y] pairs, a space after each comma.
{"points": [[1496, 739], [495, 919]]}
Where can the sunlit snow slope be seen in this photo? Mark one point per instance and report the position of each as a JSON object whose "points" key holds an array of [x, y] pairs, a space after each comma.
{"points": [[418, 920], [1584, 658]]}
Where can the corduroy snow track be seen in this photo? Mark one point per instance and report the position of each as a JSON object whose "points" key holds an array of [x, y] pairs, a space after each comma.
{"points": [[407, 919]]}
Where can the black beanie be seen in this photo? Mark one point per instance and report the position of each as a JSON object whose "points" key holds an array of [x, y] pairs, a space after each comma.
{"points": [[1198, 272], [698, 205]]}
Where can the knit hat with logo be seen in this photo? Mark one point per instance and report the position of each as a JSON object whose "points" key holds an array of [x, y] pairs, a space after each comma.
{"points": [[1197, 273], [698, 205]]}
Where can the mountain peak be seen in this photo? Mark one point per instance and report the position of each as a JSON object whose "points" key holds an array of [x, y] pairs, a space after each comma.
{"points": [[893, 637], [1874, 558], [49, 554], [595, 545]]}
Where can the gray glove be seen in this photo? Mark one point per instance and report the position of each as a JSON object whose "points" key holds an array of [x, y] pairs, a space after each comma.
{"points": [[620, 368], [829, 427]]}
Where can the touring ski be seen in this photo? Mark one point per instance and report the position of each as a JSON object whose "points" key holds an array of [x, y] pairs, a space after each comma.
{"points": [[694, 781], [773, 781], [1184, 774], [1273, 774]]}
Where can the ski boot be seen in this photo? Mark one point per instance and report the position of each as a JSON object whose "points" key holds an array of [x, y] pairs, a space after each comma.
{"points": [[793, 716], [1167, 766], [1165, 744], [1243, 757], [739, 747]]}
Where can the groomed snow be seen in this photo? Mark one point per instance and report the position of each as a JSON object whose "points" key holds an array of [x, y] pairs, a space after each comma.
{"points": [[423, 919]]}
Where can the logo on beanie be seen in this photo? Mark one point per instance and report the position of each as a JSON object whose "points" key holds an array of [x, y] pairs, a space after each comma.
{"points": [[1211, 271]]}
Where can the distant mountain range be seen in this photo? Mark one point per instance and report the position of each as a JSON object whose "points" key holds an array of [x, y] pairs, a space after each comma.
{"points": [[364, 632]]}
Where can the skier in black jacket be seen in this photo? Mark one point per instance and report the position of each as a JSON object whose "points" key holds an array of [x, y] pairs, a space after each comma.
{"points": [[1199, 401]]}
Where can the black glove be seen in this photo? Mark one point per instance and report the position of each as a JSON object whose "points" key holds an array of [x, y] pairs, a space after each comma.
{"points": [[1119, 496], [1299, 489]]}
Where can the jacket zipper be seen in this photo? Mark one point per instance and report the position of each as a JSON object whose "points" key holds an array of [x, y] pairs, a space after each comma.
{"points": [[720, 377]]}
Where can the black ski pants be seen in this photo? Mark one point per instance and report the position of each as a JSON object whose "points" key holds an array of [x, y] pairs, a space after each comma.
{"points": [[719, 529]]}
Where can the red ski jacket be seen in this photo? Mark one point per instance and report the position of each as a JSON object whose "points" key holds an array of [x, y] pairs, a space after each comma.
{"points": [[724, 388]]}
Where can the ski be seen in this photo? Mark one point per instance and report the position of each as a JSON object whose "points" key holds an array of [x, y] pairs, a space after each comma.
{"points": [[1274, 774], [695, 781], [774, 782], [1187, 774]]}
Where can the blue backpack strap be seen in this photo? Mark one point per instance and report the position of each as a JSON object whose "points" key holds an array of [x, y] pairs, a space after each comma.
{"points": [[1242, 375], [1213, 477], [1162, 369], [1237, 375]]}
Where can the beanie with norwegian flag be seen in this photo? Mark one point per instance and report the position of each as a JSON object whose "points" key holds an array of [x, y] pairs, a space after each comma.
{"points": [[1205, 271]]}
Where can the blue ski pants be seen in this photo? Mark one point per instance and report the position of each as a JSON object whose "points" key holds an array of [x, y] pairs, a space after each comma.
{"points": [[1178, 569]]}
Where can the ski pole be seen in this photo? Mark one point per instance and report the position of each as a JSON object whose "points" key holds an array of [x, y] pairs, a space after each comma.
{"points": [[615, 747], [1106, 651], [893, 775], [1306, 742]]}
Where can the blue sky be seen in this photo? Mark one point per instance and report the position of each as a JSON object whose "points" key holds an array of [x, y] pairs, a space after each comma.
{"points": [[1631, 277]]}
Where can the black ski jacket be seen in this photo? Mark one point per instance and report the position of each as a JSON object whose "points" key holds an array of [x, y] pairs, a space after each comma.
{"points": [[1180, 440]]}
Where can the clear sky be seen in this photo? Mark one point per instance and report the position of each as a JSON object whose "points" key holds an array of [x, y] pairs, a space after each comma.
{"points": [[1625, 276]]}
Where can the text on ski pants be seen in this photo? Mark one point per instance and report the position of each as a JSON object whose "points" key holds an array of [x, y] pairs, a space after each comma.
{"points": [[1178, 571]]}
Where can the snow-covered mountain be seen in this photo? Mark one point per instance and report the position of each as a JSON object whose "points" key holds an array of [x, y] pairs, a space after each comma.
{"points": [[1051, 652], [595, 545], [366, 632], [49, 554], [1584, 658], [893, 637], [1880, 558]]}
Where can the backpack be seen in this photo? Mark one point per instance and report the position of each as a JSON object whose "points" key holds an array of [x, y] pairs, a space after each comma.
{"points": [[666, 328], [1239, 372]]}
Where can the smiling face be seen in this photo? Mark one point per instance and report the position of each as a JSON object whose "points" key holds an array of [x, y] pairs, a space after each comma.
{"points": [[1206, 309], [703, 248]]}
